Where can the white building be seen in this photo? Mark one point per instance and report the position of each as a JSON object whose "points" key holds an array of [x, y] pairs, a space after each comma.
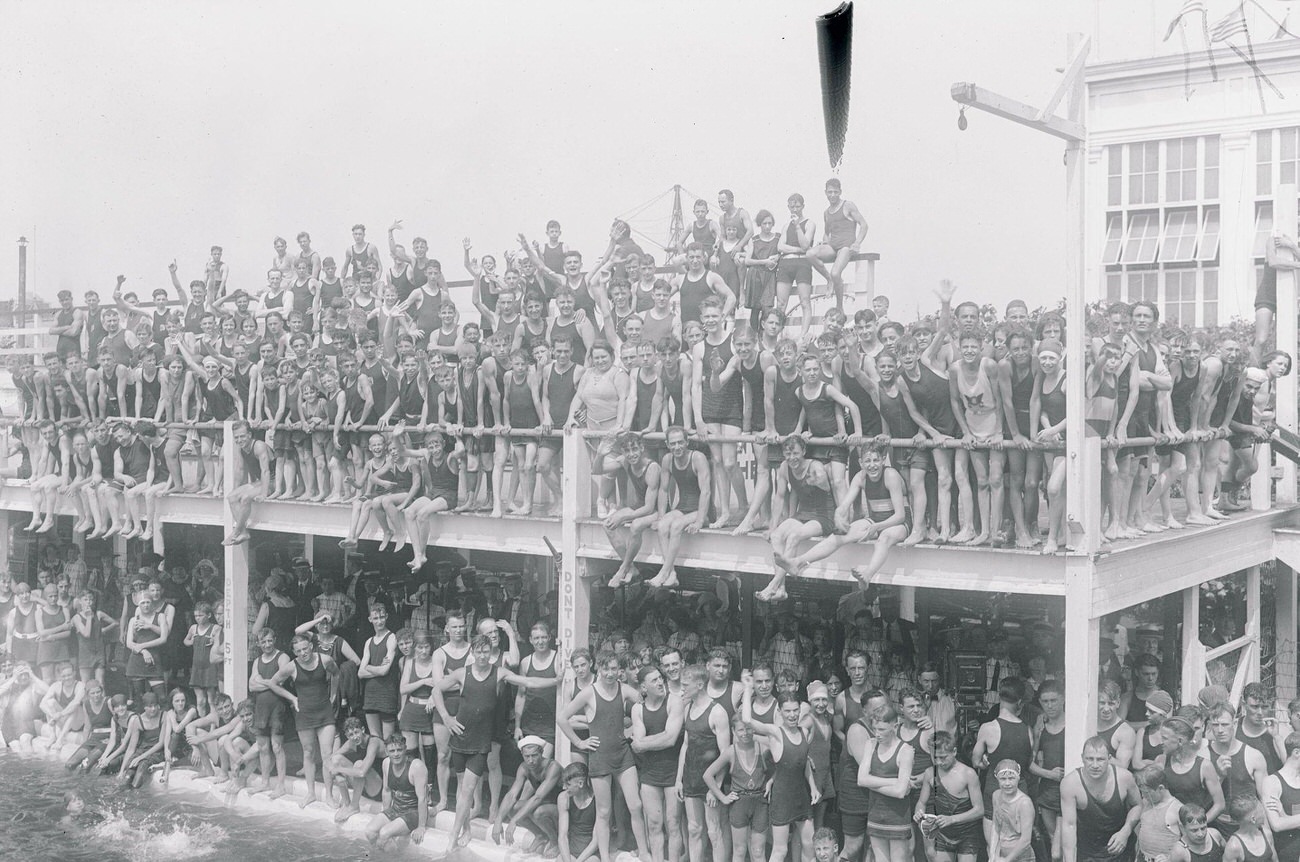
{"points": [[1186, 144]]}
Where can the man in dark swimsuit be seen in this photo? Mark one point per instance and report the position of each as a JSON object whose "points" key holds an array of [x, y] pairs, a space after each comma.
{"points": [[253, 475], [1100, 808], [406, 797]]}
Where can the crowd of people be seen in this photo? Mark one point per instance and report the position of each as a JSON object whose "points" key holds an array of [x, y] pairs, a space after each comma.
{"points": [[456, 698], [360, 384]]}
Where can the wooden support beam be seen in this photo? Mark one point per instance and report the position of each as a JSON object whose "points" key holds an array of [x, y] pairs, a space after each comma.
{"points": [[1069, 81], [1192, 672], [1082, 650], [235, 664], [1017, 112], [575, 600], [1284, 632], [1288, 283]]}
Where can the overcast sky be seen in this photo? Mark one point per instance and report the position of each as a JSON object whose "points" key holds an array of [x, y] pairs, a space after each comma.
{"points": [[140, 132]]}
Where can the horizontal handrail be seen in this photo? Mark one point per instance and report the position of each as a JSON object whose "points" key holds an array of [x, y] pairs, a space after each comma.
{"points": [[598, 433]]}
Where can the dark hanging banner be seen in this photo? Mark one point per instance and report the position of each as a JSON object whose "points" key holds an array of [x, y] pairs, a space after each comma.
{"points": [[835, 52]]}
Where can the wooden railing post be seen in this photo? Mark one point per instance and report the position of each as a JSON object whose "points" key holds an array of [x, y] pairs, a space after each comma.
{"points": [[235, 664]]}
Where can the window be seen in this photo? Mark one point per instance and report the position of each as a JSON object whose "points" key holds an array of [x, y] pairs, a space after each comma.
{"points": [[1264, 163], [1207, 246], [1263, 227], [1114, 238], [1179, 240], [1144, 172], [1143, 238], [1210, 297], [1113, 280], [1180, 170], [1114, 175], [1289, 152], [1180, 297], [1211, 144], [1143, 285]]}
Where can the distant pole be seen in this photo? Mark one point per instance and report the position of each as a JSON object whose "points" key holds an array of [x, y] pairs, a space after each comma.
{"points": [[21, 310]]}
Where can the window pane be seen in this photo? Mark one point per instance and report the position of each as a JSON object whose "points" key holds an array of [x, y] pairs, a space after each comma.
{"points": [[1114, 175], [1209, 297], [1151, 157], [1210, 159], [1179, 239], [1263, 163], [1288, 144], [1143, 237], [1263, 227], [1112, 286], [1207, 247], [1142, 285], [1286, 173], [1114, 238]]}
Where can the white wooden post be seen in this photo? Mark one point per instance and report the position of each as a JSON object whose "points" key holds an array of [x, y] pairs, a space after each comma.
{"points": [[1082, 649], [864, 283], [235, 664], [1284, 215], [1192, 670], [575, 601], [1284, 632], [1251, 654]]}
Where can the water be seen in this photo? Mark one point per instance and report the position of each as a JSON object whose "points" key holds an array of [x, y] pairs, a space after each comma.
{"points": [[147, 825]]}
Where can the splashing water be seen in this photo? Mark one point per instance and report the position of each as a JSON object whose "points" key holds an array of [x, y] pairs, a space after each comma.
{"points": [[149, 841]]}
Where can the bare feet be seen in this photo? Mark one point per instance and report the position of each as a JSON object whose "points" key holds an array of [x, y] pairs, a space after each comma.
{"points": [[46, 527], [277, 792], [744, 528], [913, 539], [342, 815], [1049, 547], [963, 536], [723, 518], [311, 797], [1199, 521], [1024, 540], [671, 580], [981, 539], [1174, 524]]}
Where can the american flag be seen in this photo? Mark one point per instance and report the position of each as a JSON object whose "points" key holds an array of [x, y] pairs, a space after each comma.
{"points": [[1232, 24]]}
